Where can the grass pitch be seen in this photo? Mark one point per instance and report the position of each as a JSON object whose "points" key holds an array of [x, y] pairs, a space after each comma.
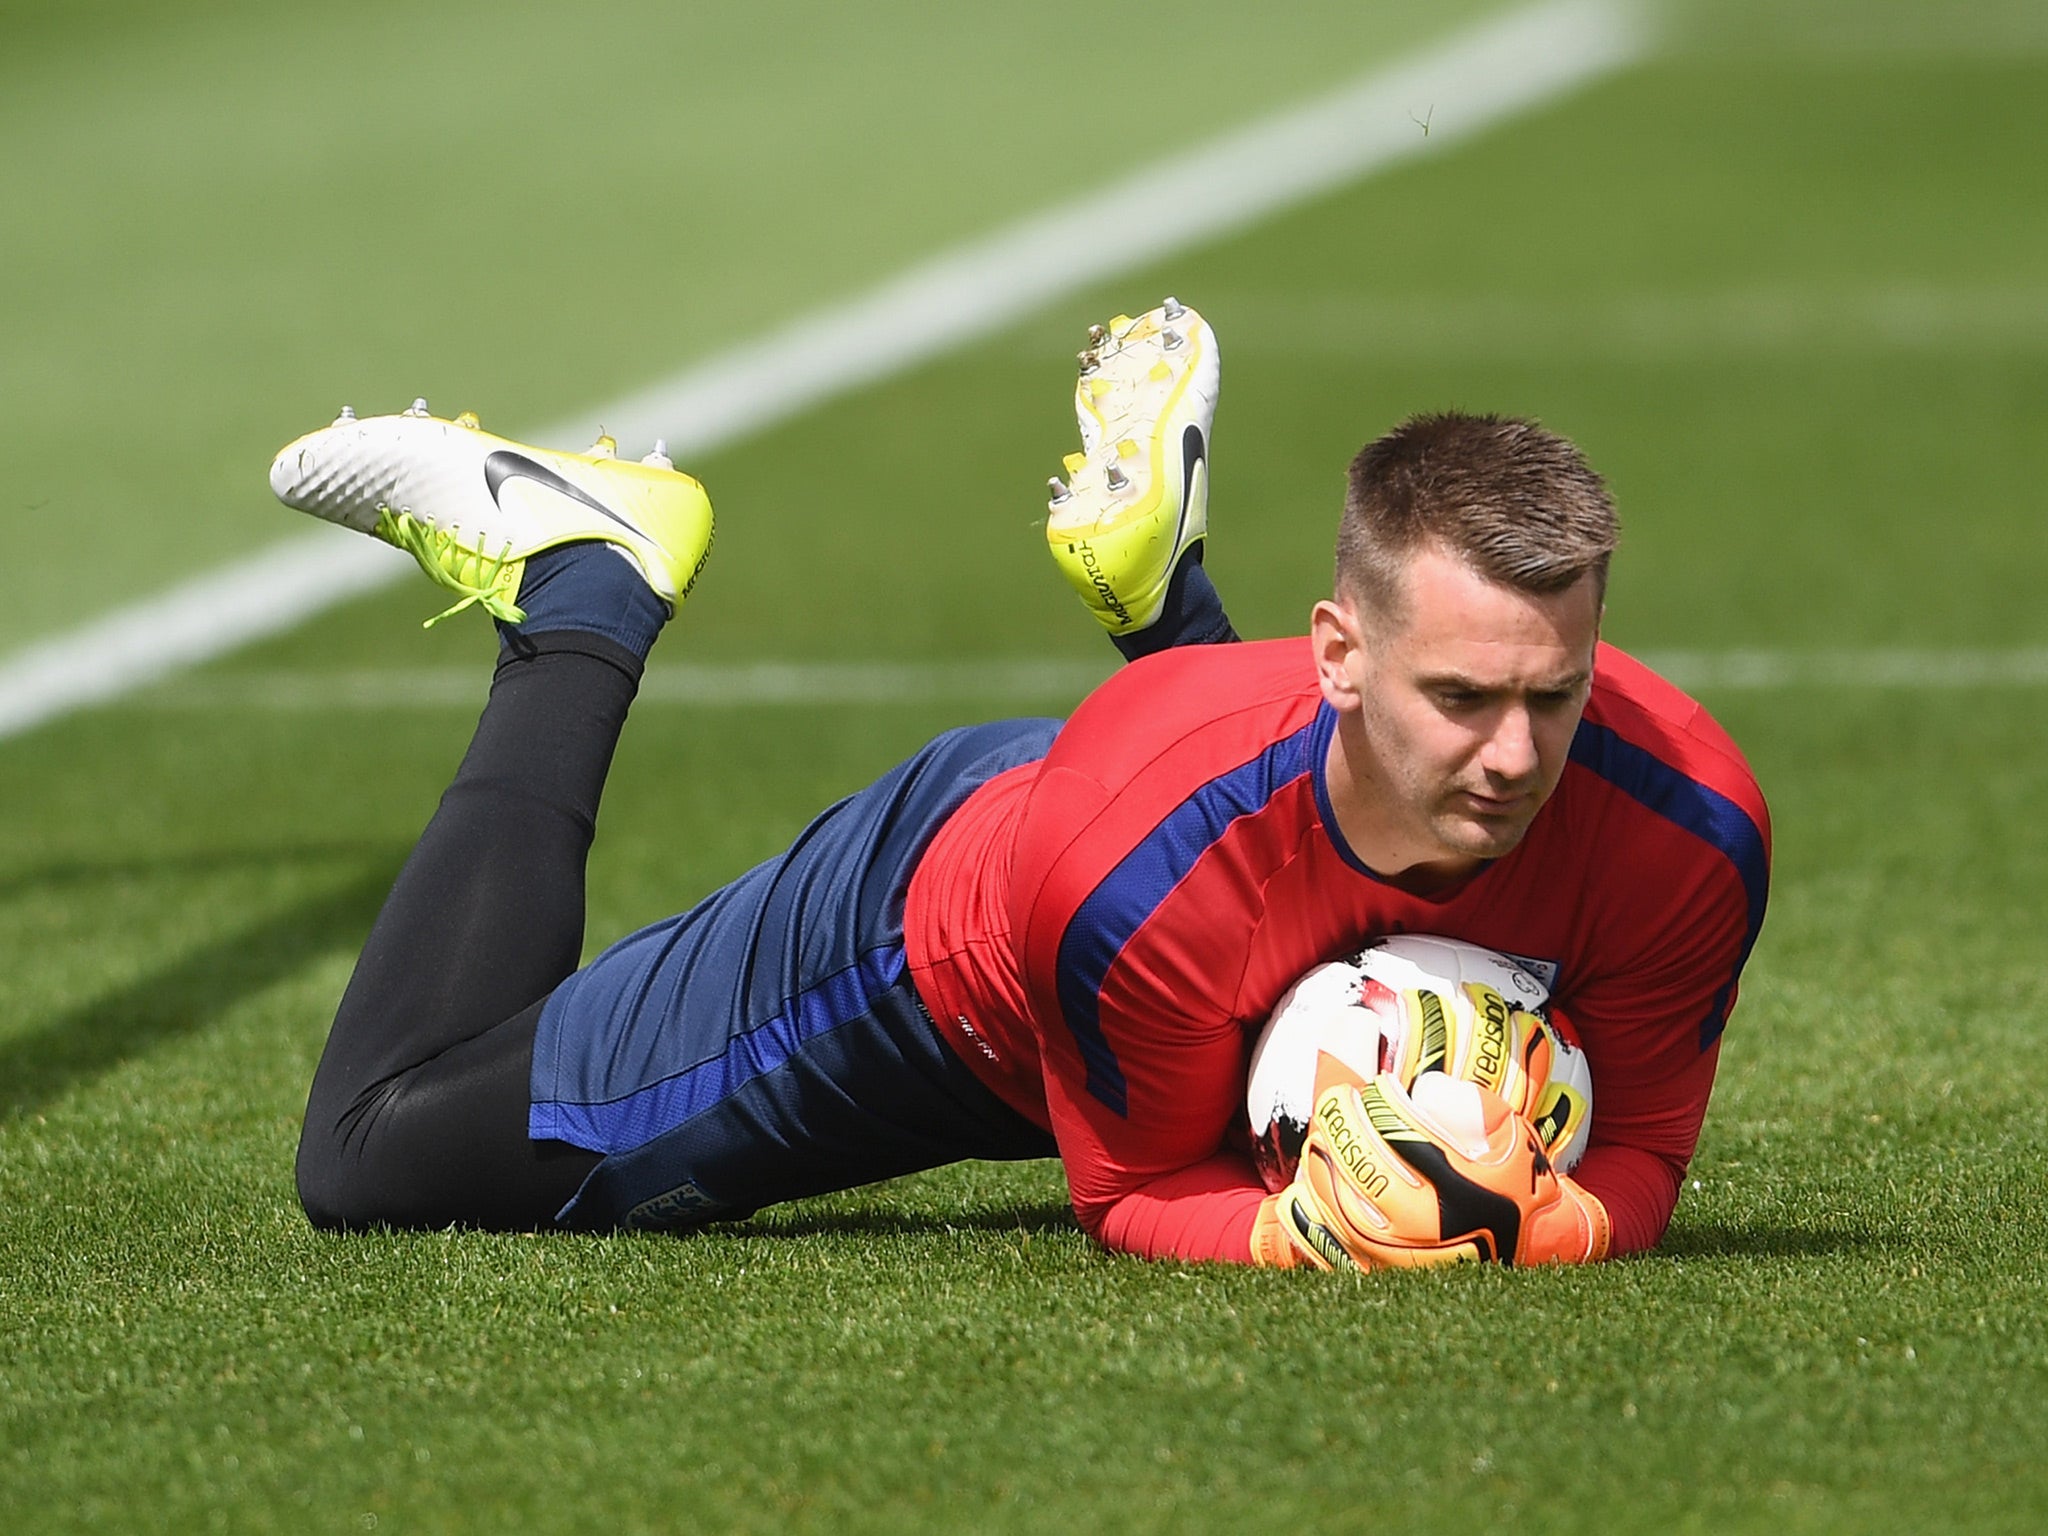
{"points": [[1785, 285]]}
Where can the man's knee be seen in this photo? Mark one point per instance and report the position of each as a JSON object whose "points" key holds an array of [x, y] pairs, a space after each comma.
{"points": [[333, 1191], [348, 1172]]}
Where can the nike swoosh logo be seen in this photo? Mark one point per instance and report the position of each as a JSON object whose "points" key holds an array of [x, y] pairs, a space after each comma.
{"points": [[505, 465], [1192, 449]]}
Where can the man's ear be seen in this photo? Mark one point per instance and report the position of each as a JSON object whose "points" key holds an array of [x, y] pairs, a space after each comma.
{"points": [[1334, 634]]}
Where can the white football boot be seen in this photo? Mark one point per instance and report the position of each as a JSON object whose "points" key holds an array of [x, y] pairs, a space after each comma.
{"points": [[471, 507]]}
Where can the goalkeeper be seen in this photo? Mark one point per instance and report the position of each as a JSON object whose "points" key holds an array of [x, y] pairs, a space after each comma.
{"points": [[1034, 938]]}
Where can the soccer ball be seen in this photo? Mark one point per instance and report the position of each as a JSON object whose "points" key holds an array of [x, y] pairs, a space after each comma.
{"points": [[1351, 1009]]}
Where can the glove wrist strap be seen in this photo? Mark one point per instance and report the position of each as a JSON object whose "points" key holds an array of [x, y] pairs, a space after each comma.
{"points": [[1272, 1246]]}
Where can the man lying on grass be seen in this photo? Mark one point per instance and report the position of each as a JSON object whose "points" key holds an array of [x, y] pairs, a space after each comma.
{"points": [[1036, 938]]}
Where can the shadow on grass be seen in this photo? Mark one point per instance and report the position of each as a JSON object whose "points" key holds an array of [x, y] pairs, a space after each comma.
{"points": [[195, 990], [1035, 1219], [1718, 1242], [74, 874]]}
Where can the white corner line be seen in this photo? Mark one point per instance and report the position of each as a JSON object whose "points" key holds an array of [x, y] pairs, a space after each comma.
{"points": [[1494, 70]]}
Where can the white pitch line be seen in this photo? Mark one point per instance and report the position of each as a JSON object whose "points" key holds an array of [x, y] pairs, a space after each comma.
{"points": [[1881, 667], [1027, 680], [1480, 76]]}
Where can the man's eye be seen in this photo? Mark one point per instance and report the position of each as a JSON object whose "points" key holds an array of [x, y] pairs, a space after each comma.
{"points": [[1456, 698]]}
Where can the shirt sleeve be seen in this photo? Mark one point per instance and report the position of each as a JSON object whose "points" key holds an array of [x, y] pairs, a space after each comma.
{"points": [[1144, 1067], [1651, 1029], [1668, 906], [1153, 1178], [1636, 1166]]}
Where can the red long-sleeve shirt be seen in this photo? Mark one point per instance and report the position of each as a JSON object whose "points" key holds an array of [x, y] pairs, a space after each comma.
{"points": [[1101, 934]]}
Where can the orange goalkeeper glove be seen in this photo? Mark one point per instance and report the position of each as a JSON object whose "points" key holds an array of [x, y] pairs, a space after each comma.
{"points": [[1449, 1173], [1504, 1049]]}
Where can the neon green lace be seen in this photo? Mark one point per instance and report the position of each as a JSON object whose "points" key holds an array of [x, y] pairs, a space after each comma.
{"points": [[491, 582]]}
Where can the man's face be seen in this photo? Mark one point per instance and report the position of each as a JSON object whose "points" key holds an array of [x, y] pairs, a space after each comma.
{"points": [[1458, 710]]}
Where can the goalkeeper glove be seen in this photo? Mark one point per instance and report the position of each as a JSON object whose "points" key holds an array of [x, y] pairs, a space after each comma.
{"points": [[1504, 1049], [1393, 1180]]}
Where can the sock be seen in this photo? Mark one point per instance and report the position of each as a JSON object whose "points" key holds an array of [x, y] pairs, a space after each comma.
{"points": [[590, 587], [1193, 614]]}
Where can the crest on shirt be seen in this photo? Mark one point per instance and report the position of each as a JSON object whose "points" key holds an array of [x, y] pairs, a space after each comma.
{"points": [[1544, 971]]}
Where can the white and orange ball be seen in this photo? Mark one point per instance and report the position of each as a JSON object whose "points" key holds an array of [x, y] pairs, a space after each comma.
{"points": [[1351, 1009]]}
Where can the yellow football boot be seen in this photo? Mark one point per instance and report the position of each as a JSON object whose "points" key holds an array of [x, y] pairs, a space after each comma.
{"points": [[470, 507], [1135, 501]]}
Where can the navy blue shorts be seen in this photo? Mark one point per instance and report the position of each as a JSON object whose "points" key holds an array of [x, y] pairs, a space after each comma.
{"points": [[766, 1044]]}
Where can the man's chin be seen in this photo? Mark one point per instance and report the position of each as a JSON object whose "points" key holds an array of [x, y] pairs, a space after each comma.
{"points": [[1482, 838]]}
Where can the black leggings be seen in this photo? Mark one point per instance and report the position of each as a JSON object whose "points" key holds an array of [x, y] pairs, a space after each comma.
{"points": [[418, 1112]]}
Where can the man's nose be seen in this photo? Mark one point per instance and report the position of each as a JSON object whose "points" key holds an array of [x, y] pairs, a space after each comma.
{"points": [[1511, 751]]}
